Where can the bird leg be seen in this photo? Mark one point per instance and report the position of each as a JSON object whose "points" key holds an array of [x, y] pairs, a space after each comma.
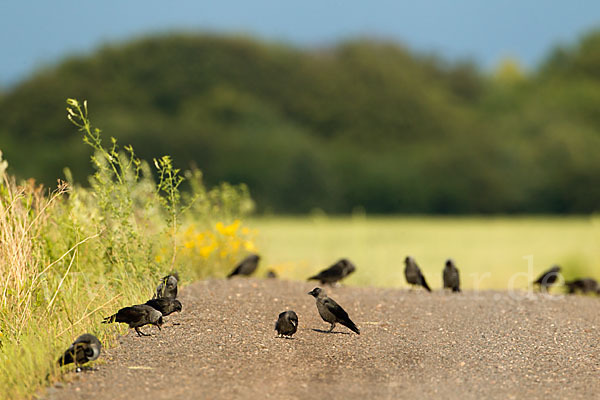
{"points": [[140, 333], [332, 326]]}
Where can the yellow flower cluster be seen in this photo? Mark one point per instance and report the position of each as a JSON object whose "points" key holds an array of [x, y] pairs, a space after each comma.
{"points": [[223, 240]]}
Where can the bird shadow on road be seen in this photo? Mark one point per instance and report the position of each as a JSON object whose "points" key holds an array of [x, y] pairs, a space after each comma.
{"points": [[339, 333]]}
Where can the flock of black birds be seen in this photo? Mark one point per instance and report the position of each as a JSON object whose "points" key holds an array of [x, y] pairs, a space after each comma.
{"points": [[581, 285], [87, 347], [164, 302]]}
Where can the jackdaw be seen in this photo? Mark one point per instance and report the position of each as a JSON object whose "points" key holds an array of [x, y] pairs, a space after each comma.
{"points": [[165, 306], [287, 324], [167, 288], [247, 266], [331, 311], [451, 278], [271, 274], [584, 285], [548, 278], [137, 316], [413, 274], [335, 273], [84, 349]]}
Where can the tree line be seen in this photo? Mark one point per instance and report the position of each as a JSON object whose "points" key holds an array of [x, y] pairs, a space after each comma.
{"points": [[364, 124]]}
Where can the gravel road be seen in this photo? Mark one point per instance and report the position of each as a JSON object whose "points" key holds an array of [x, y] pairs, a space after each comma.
{"points": [[413, 344]]}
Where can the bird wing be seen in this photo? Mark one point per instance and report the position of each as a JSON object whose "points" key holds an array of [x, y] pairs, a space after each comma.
{"points": [[79, 351], [424, 282], [129, 314], [546, 275], [235, 271], [153, 303], [335, 270], [335, 309], [158, 304], [67, 357]]}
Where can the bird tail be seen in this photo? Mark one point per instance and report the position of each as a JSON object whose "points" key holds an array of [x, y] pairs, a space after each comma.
{"points": [[350, 325], [424, 283], [109, 320], [313, 278], [65, 359]]}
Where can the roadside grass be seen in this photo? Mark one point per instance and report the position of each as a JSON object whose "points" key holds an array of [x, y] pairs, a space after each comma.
{"points": [[490, 252], [75, 254]]}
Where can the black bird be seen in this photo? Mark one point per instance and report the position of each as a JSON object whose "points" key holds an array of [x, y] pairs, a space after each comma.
{"points": [[165, 305], [413, 274], [583, 285], [548, 278], [247, 266], [331, 311], [167, 288], [137, 316], [271, 274], [287, 323], [451, 277], [335, 273], [84, 349]]}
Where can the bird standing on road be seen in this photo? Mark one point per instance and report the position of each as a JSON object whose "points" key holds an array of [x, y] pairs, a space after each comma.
{"points": [[287, 323], [271, 274], [451, 277], [331, 311], [84, 349], [335, 273], [137, 316], [413, 274], [167, 288], [584, 285], [548, 278], [166, 306], [247, 266]]}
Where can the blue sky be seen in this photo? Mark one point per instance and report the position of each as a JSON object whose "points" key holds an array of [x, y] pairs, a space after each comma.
{"points": [[38, 33]]}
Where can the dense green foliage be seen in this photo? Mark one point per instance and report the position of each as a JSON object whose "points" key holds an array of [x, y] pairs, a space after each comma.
{"points": [[364, 124]]}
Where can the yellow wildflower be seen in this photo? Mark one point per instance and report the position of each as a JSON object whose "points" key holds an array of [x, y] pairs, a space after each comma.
{"points": [[205, 251], [235, 245], [228, 230]]}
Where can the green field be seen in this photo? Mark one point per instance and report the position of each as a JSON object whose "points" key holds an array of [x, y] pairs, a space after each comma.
{"points": [[488, 251]]}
